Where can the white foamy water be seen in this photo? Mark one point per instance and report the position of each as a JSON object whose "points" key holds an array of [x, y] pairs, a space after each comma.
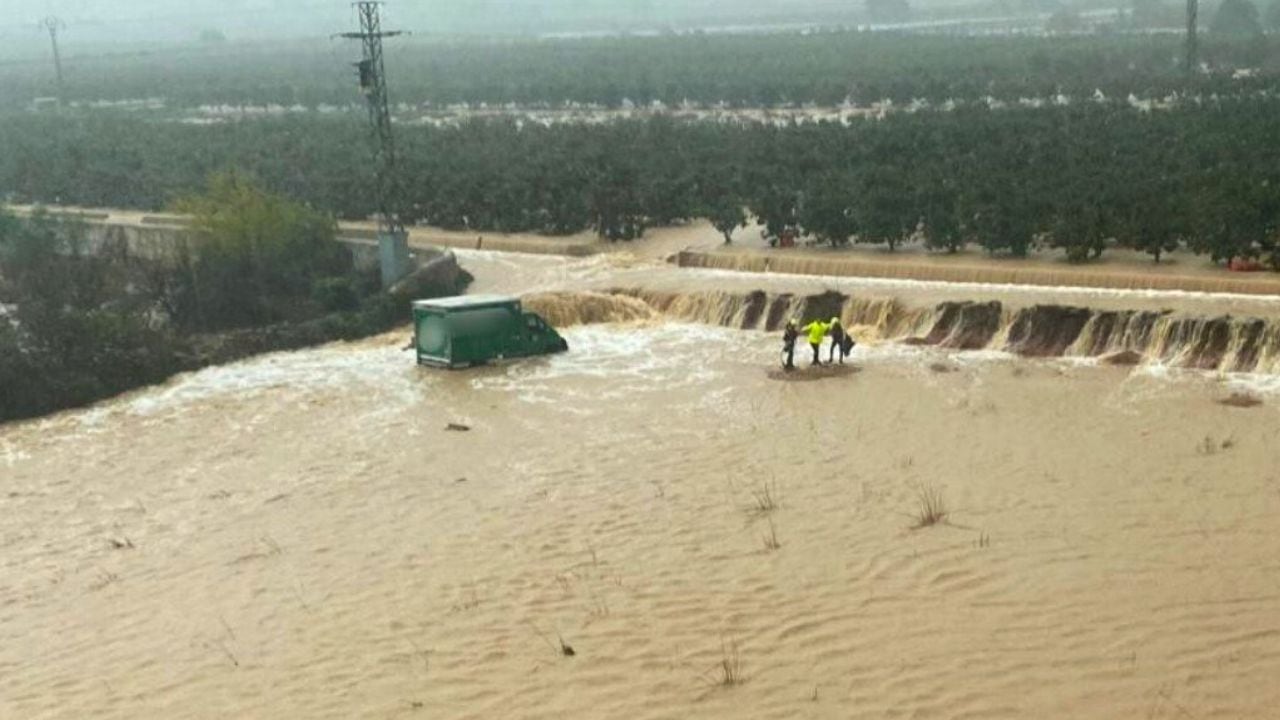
{"points": [[610, 362], [519, 274], [384, 370]]}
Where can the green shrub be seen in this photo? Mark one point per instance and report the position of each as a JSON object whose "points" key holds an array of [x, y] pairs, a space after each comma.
{"points": [[335, 294]]}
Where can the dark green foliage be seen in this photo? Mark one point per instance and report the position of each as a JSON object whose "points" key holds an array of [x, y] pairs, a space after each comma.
{"points": [[889, 11], [81, 323], [75, 334], [1080, 228], [829, 210], [335, 294], [1080, 177], [726, 212], [1236, 17], [254, 255], [741, 70]]}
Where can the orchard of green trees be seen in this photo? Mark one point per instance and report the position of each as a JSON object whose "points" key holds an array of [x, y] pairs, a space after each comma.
{"points": [[1079, 177], [824, 68]]}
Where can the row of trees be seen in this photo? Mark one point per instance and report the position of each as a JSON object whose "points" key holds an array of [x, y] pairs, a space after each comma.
{"points": [[753, 70], [1077, 177]]}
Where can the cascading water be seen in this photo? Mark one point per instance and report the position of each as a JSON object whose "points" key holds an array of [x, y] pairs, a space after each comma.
{"points": [[1207, 343]]}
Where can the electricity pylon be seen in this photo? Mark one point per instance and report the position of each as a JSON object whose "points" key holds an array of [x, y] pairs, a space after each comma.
{"points": [[53, 25], [392, 238], [1193, 11]]}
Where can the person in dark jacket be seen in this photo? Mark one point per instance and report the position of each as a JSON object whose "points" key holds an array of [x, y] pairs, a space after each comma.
{"points": [[838, 336], [789, 337]]}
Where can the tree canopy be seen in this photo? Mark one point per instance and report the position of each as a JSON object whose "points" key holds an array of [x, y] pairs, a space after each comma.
{"points": [[1080, 177], [251, 248], [1236, 17]]}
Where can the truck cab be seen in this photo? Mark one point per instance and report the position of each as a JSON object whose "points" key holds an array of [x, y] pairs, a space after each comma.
{"points": [[469, 330]]}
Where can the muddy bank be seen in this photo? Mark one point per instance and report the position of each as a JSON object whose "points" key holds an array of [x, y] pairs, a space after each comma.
{"points": [[1005, 272]]}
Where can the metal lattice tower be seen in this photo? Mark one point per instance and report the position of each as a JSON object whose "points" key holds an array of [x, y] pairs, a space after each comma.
{"points": [[1193, 10], [392, 236], [53, 25]]}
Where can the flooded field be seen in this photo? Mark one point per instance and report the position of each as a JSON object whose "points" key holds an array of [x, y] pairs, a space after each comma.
{"points": [[658, 523]]}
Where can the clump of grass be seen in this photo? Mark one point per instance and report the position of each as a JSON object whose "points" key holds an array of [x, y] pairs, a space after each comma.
{"points": [[1207, 446], [771, 540], [729, 671], [561, 647], [931, 509], [764, 499], [1210, 445], [599, 607]]}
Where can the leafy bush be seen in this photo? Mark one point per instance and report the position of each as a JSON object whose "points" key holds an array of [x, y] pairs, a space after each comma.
{"points": [[80, 326], [1236, 17], [255, 254], [336, 294]]}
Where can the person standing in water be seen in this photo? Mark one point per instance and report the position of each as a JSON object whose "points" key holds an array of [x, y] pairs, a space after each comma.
{"points": [[816, 330], [837, 340], [789, 337]]}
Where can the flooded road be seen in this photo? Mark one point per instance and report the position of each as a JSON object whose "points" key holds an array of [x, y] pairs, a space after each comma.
{"points": [[302, 535]]}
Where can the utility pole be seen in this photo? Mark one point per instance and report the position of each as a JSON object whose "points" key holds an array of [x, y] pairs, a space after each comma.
{"points": [[1193, 10], [53, 25], [393, 242]]}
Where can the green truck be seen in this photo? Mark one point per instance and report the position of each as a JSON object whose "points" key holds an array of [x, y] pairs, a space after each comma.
{"points": [[470, 330]]}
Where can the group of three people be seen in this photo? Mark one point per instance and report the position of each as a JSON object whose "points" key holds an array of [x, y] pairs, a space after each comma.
{"points": [[841, 341]]}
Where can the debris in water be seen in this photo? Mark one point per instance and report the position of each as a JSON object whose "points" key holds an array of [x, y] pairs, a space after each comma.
{"points": [[457, 427], [1122, 357], [1240, 400], [811, 373]]}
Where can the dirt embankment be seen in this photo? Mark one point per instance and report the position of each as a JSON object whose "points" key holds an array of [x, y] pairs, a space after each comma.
{"points": [[1124, 273]]}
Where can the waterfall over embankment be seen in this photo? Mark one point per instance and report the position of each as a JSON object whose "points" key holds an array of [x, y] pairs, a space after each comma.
{"points": [[1209, 343]]}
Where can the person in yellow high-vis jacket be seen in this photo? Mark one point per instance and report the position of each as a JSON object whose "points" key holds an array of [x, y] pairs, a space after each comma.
{"points": [[816, 331]]}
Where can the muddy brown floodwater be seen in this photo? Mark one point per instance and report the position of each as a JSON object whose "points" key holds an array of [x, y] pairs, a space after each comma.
{"points": [[303, 535]]}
